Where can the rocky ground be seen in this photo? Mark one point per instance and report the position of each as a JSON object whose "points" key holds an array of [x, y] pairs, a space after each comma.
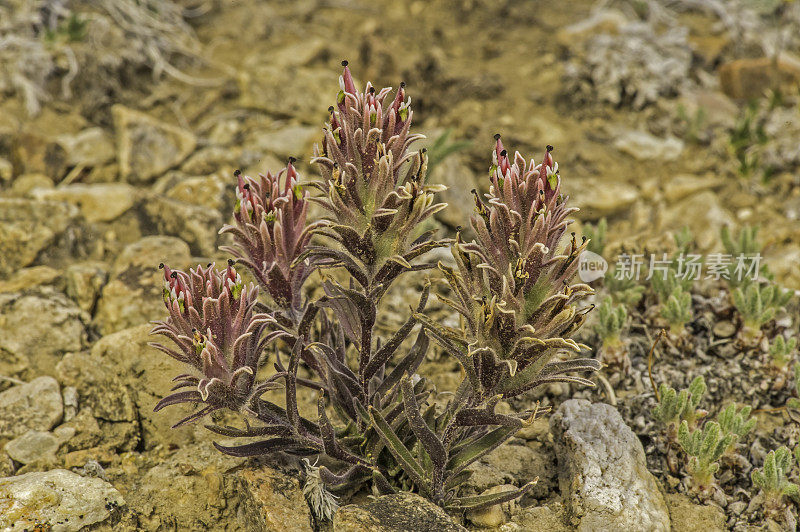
{"points": [[117, 148]]}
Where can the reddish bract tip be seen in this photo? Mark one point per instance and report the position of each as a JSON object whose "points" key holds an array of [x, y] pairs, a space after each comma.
{"points": [[291, 175], [349, 85], [503, 163]]}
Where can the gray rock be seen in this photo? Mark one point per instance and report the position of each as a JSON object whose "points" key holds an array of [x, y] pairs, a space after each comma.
{"points": [[703, 214], [32, 446], [59, 500], [196, 225], [390, 513], [643, 146], [263, 86], [288, 141], [627, 64], [100, 202], [88, 148], [204, 191], [35, 405], [601, 199], [603, 472], [133, 294], [38, 327], [147, 147], [29, 227]]}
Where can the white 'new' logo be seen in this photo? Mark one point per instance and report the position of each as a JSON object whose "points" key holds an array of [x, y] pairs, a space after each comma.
{"points": [[591, 266]]}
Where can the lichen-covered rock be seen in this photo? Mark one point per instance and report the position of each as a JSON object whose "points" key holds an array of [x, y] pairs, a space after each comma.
{"points": [[34, 152], [271, 500], [703, 214], [548, 518], [391, 513], [99, 388], [204, 191], [687, 516], [515, 464], [29, 227], [191, 490], [56, 500], [100, 202], [603, 472], [133, 294], [148, 373], [34, 405], [38, 327], [147, 147], [262, 87], [493, 516], [84, 281], [32, 277], [105, 395], [285, 142]]}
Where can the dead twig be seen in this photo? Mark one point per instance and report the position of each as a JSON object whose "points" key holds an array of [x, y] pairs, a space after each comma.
{"points": [[650, 364]]}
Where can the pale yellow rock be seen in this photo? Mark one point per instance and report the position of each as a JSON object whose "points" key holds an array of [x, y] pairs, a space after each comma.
{"points": [[97, 203], [147, 147], [492, 516]]}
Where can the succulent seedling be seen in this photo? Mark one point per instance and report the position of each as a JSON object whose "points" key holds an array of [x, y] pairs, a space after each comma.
{"points": [[757, 304], [782, 351], [773, 481], [675, 407], [677, 310], [736, 422], [704, 447], [611, 320]]}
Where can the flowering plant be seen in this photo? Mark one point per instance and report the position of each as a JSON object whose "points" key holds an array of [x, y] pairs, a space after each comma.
{"points": [[512, 288]]}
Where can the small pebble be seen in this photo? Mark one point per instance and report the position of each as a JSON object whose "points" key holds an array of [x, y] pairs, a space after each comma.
{"points": [[724, 329]]}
